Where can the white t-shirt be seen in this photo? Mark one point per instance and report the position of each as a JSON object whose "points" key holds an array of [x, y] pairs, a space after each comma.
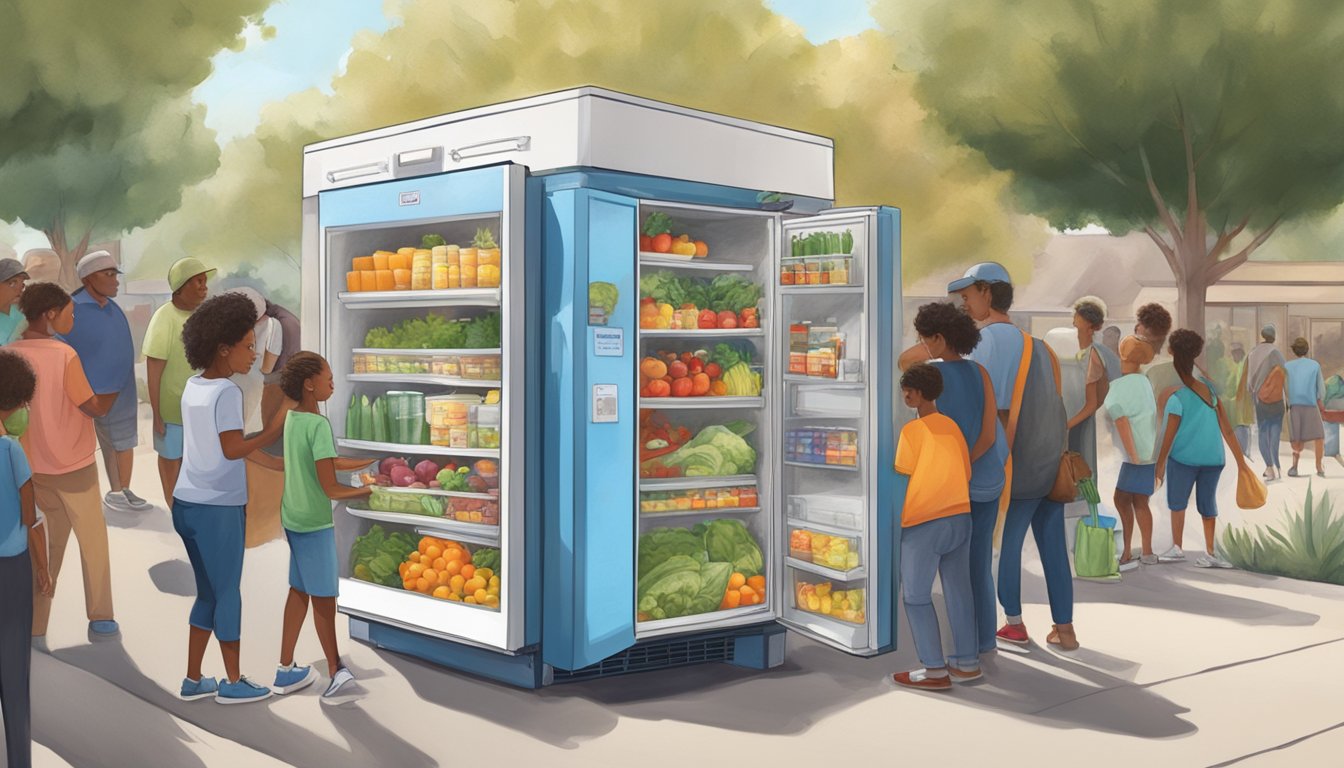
{"points": [[210, 407], [268, 339]]}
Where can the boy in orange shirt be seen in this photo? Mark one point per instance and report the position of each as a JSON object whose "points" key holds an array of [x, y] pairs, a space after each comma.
{"points": [[935, 535]]}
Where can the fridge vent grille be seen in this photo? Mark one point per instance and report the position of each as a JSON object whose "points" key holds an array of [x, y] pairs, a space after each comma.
{"points": [[654, 655]]}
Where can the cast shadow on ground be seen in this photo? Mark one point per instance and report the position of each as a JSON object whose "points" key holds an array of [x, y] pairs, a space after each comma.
{"points": [[254, 726], [814, 683], [173, 577], [1177, 588], [153, 519]]}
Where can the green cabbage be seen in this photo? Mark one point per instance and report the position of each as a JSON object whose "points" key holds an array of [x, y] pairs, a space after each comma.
{"points": [[730, 542]]}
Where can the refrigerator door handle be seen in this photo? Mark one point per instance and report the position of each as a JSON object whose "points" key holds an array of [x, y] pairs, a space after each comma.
{"points": [[357, 171], [518, 144]]}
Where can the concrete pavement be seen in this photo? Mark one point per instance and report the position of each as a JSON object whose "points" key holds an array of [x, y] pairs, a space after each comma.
{"points": [[1178, 667]]}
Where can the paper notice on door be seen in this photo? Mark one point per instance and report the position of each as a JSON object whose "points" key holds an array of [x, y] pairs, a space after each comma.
{"points": [[608, 342], [604, 404]]}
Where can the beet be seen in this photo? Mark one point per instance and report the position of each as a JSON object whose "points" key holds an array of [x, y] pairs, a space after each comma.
{"points": [[426, 470], [385, 466], [402, 476]]}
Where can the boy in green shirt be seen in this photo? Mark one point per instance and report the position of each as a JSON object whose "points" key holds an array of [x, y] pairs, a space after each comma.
{"points": [[311, 464]]}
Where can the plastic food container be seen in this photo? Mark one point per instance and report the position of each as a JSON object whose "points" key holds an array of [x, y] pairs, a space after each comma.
{"points": [[481, 367], [448, 416], [406, 501], [838, 552], [483, 426], [822, 445], [405, 417], [480, 508], [837, 600]]}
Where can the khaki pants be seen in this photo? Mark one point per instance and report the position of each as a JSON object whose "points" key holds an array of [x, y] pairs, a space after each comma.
{"points": [[72, 502]]}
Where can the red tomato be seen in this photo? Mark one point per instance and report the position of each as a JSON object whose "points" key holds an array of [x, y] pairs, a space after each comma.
{"points": [[713, 370], [696, 365], [645, 243], [662, 243]]}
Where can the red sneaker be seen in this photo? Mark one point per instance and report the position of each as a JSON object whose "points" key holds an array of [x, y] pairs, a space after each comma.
{"points": [[919, 679], [1013, 633]]}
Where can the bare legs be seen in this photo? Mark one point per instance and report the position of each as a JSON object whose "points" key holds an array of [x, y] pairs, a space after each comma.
{"points": [[1178, 529], [1132, 507], [197, 641], [168, 471], [324, 621], [1318, 446]]}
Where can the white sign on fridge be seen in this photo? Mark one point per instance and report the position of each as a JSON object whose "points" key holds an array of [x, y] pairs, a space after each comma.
{"points": [[604, 404]]}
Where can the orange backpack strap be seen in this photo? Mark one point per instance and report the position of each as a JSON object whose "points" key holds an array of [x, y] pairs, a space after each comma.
{"points": [[1020, 386]]}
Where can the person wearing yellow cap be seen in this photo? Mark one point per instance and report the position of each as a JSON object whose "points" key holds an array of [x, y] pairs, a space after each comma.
{"points": [[167, 366]]}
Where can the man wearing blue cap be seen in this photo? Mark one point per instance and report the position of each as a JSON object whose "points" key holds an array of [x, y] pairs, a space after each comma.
{"points": [[1026, 380]]}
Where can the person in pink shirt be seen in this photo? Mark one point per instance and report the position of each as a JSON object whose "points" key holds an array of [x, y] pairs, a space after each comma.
{"points": [[60, 446]]}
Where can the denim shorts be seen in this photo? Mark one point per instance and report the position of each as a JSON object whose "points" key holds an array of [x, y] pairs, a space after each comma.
{"points": [[169, 444], [1138, 479], [312, 562], [1182, 478], [120, 427]]}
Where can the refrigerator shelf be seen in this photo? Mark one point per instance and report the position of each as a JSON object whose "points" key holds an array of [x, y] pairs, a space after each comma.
{"points": [[817, 381], [453, 297], [713, 619], [821, 289], [700, 403], [417, 450], [693, 483], [668, 261], [844, 635], [806, 465], [716, 333], [472, 533], [854, 574], [423, 378], [716, 512]]}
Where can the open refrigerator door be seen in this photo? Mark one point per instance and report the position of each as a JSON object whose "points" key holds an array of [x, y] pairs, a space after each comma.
{"points": [[837, 280], [422, 321], [706, 435]]}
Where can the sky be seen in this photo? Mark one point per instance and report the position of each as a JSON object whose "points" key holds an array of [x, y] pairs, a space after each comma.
{"points": [[312, 39]]}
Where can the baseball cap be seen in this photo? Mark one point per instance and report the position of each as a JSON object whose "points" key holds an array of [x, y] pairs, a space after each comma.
{"points": [[985, 271], [11, 268], [96, 261], [1269, 332], [185, 269]]}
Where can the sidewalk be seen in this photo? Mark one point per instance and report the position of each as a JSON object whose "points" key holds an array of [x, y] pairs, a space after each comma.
{"points": [[1178, 667]]}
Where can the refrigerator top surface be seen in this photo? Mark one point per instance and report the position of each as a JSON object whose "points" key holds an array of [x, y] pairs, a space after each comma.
{"points": [[584, 94], [591, 128]]}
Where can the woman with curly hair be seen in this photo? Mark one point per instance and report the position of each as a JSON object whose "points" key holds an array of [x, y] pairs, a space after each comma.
{"points": [[1192, 449], [947, 334], [211, 490]]}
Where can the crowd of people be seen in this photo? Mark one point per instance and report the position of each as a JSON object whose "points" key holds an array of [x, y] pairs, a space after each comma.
{"points": [[68, 389], [991, 433]]}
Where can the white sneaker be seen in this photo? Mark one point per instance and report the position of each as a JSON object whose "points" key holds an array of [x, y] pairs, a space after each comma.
{"points": [[1129, 565], [1173, 555], [1221, 562], [338, 681]]}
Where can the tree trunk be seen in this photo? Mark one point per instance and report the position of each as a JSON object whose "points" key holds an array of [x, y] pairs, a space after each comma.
{"points": [[69, 256], [1190, 294]]}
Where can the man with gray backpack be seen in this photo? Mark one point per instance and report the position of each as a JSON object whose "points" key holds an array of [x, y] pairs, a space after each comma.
{"points": [[1026, 379]]}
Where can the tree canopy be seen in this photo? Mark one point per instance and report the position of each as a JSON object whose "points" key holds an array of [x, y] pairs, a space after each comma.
{"points": [[100, 133], [729, 56], [1204, 123]]}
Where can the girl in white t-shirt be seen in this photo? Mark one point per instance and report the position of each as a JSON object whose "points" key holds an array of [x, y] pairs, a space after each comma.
{"points": [[211, 490]]}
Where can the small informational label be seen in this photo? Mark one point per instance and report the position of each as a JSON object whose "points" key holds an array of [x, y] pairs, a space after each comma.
{"points": [[604, 403], [410, 198], [609, 342]]}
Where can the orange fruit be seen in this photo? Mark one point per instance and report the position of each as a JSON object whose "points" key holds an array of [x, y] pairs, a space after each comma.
{"points": [[439, 564], [453, 567], [401, 569], [421, 584], [472, 585], [469, 600], [746, 593], [732, 598], [757, 583], [468, 571], [408, 584], [442, 592], [736, 581], [430, 575], [480, 596], [444, 578], [433, 551], [653, 368], [718, 388], [492, 601], [425, 544], [414, 571], [456, 582]]}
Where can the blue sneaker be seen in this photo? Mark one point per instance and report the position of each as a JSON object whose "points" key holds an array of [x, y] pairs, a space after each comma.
{"points": [[293, 678], [103, 629], [200, 689], [241, 692]]}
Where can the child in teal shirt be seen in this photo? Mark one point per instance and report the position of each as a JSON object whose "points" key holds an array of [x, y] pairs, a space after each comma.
{"points": [[305, 511]]}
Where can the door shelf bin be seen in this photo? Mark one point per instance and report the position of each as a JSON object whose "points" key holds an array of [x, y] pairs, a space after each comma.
{"points": [[835, 600], [829, 514], [833, 552]]}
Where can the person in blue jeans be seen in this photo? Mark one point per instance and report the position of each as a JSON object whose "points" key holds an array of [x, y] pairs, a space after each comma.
{"points": [[935, 535], [946, 334], [1192, 450], [1036, 440], [23, 557], [211, 489]]}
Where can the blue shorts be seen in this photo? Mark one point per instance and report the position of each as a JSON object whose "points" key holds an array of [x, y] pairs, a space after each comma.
{"points": [[213, 536], [169, 444], [312, 562], [1182, 478], [1138, 479]]}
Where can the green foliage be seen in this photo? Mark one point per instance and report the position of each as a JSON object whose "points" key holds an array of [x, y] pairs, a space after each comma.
{"points": [[100, 130], [1075, 98], [1309, 545]]}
